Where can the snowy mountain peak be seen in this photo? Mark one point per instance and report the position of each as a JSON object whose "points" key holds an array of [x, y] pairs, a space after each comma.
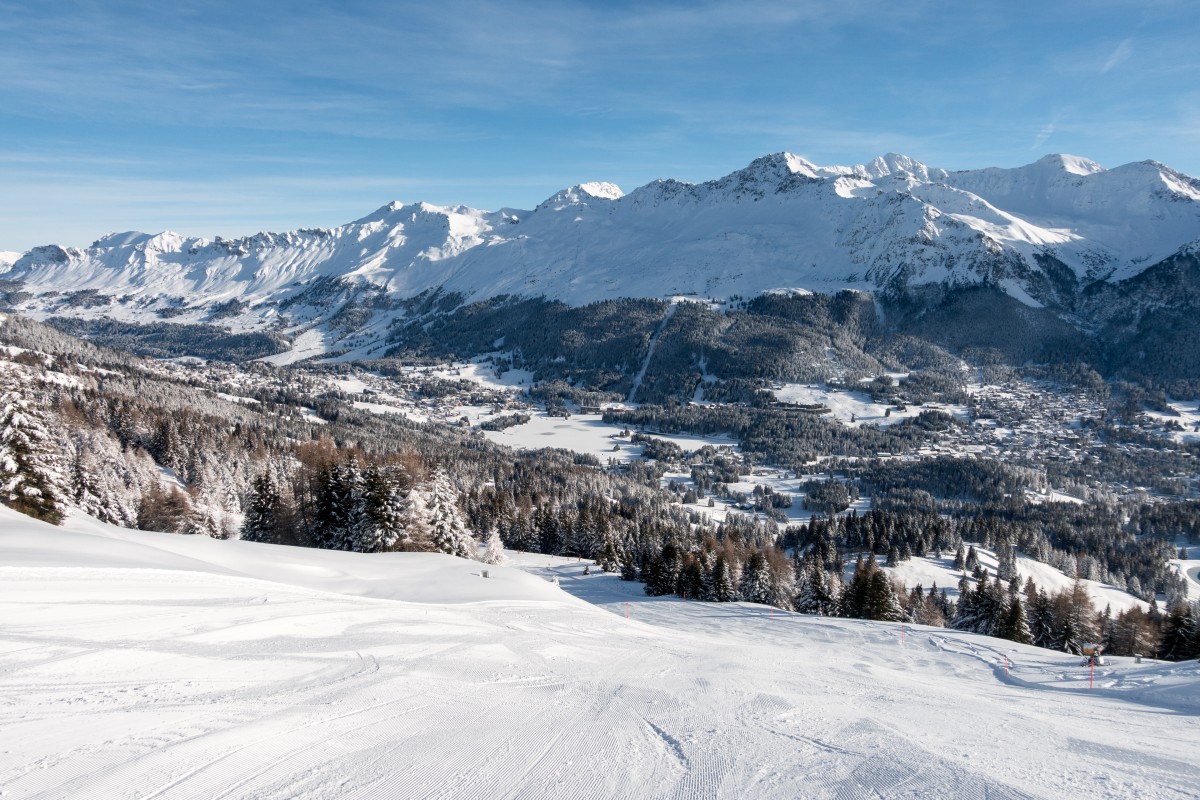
{"points": [[122, 239], [773, 171], [896, 164], [582, 193], [601, 190], [381, 214], [1075, 165]]}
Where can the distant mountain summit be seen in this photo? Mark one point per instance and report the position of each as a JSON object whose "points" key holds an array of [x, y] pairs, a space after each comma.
{"points": [[1042, 233]]}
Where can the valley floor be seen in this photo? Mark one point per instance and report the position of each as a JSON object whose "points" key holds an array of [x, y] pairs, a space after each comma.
{"points": [[169, 669]]}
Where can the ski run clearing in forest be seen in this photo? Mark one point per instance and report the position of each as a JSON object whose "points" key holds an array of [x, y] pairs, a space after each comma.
{"points": [[139, 665]]}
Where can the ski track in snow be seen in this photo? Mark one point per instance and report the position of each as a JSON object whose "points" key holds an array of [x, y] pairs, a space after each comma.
{"points": [[157, 683], [662, 326]]}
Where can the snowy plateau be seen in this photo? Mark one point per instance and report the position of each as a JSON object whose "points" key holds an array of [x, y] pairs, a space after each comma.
{"points": [[143, 665]]}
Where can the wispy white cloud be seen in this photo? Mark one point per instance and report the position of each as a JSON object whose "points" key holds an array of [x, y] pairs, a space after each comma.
{"points": [[1044, 134], [1118, 56]]}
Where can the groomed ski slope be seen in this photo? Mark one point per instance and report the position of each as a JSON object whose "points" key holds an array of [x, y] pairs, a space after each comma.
{"points": [[138, 665]]}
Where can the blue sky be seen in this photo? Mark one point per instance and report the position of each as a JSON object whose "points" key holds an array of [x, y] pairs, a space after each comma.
{"points": [[220, 118]]}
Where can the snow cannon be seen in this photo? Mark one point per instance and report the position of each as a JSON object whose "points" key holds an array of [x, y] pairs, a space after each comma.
{"points": [[1093, 655]]}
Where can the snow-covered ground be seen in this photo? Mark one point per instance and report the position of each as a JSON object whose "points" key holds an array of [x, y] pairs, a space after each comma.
{"points": [[856, 408], [590, 434], [155, 666], [926, 571], [309, 344], [482, 371], [1187, 416], [1190, 569]]}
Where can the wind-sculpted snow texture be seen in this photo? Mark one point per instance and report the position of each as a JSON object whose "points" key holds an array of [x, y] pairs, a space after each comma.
{"points": [[138, 665], [780, 223]]}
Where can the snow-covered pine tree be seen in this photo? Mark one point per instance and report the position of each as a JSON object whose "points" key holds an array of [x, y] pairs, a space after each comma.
{"points": [[880, 602], [965, 615], [1181, 633], [447, 531], [724, 589], [493, 549], [852, 601], [783, 579], [341, 509], [32, 478], [259, 524], [691, 578], [811, 588], [1006, 556], [989, 605], [105, 480], [1040, 612], [756, 580], [1013, 625], [382, 527], [417, 530], [960, 560]]}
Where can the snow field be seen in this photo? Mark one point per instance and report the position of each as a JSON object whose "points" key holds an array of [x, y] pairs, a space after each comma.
{"points": [[1187, 415], [927, 570], [156, 666], [588, 434]]}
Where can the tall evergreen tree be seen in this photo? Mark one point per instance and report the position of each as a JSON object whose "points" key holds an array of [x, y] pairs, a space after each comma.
{"points": [[854, 595], [1040, 612], [966, 617], [880, 601], [381, 528], [756, 580], [1013, 625], [493, 549], [724, 588], [260, 523], [32, 476], [447, 531], [1179, 636]]}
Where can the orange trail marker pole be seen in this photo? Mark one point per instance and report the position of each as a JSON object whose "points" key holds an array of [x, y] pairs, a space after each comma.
{"points": [[627, 611], [1091, 673]]}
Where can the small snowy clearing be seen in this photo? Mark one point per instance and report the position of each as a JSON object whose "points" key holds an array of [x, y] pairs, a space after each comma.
{"points": [[483, 371], [855, 408], [1186, 416], [309, 344], [589, 434], [926, 571], [233, 398], [1190, 569]]}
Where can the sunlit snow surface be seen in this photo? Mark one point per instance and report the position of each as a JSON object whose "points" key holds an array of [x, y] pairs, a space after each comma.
{"points": [[140, 665]]}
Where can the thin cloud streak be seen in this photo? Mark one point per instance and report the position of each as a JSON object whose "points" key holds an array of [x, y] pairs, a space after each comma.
{"points": [[1118, 56]]}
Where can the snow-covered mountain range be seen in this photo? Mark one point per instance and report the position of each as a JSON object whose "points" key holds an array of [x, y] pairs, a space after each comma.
{"points": [[1043, 233], [782, 222]]}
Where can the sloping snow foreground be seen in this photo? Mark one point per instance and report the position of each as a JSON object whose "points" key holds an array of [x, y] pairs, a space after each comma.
{"points": [[146, 665]]}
